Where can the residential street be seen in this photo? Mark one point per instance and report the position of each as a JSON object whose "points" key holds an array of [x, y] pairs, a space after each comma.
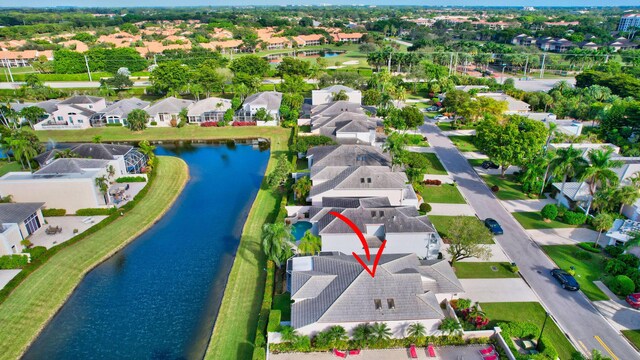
{"points": [[572, 310]]}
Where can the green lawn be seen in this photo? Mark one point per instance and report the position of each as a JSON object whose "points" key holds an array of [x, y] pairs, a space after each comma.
{"points": [[633, 336], [587, 271], [509, 188], [445, 193], [434, 167], [6, 167], [476, 162], [28, 308], [531, 312], [533, 220], [483, 270], [442, 224], [464, 143], [448, 126], [282, 302]]}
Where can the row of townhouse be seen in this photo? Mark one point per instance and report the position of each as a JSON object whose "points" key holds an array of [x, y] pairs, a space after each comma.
{"points": [[561, 45], [356, 181], [81, 112]]}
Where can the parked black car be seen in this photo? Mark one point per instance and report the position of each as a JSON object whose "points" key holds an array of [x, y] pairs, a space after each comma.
{"points": [[493, 226], [565, 279], [489, 165]]}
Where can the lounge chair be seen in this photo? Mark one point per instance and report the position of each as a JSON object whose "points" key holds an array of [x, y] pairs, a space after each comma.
{"points": [[339, 354], [487, 351], [354, 352], [413, 352], [431, 350]]}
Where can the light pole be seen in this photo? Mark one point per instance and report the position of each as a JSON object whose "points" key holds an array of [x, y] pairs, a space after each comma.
{"points": [[502, 76], [541, 331]]}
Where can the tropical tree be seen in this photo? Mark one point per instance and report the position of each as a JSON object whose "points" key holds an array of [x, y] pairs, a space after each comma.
{"points": [[380, 332], [287, 333], [450, 326], [102, 183], [302, 187], [467, 236], [277, 241], [602, 222], [362, 334], [309, 244], [567, 164], [23, 151], [340, 96], [395, 145], [337, 334], [32, 114], [416, 330], [147, 149], [599, 170], [137, 119], [626, 195]]}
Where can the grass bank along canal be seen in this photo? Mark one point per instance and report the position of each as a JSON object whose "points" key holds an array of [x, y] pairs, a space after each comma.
{"points": [[158, 298]]}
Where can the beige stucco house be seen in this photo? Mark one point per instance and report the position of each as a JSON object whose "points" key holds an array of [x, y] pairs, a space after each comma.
{"points": [[17, 222]]}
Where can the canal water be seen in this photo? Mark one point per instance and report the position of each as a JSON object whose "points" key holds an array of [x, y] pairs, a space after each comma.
{"points": [[158, 298]]}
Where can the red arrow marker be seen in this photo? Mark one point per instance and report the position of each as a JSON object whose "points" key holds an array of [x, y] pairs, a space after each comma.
{"points": [[357, 231]]}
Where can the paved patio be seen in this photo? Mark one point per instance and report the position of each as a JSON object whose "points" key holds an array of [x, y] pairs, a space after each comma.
{"points": [[126, 195], [497, 290], [526, 205], [68, 224], [497, 255], [564, 236], [6, 276], [451, 209], [618, 312], [443, 353]]}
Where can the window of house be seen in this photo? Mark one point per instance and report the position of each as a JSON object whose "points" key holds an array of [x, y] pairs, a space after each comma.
{"points": [[80, 121], [381, 213], [369, 180], [373, 213], [378, 304], [362, 180], [391, 303], [60, 118]]}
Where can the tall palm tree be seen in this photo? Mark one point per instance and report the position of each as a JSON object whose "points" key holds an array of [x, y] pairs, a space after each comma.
{"points": [[277, 242], [380, 332], [146, 149], [416, 330], [23, 149], [337, 334], [450, 326], [626, 195], [395, 145], [309, 244], [362, 334], [599, 171], [567, 164]]}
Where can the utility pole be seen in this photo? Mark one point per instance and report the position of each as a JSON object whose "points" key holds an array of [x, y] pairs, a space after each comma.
{"points": [[86, 62], [544, 56], [9, 68], [155, 60], [526, 64], [450, 62]]}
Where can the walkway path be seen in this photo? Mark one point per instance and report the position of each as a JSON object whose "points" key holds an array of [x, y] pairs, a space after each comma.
{"points": [[526, 205], [572, 310], [459, 132], [497, 290]]}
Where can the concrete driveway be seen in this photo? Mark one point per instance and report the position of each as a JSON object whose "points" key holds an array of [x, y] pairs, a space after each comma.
{"points": [[575, 314], [566, 236], [526, 205], [451, 210], [620, 314], [497, 290]]}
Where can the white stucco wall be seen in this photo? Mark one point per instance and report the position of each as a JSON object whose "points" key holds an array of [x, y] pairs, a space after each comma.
{"points": [[397, 243], [365, 137], [10, 237], [394, 195], [398, 328]]}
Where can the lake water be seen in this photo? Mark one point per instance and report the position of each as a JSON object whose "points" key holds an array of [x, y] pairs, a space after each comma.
{"points": [[159, 296]]}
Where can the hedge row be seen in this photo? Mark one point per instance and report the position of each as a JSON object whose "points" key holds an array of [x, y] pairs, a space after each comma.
{"points": [[36, 262], [128, 179], [589, 246], [13, 262], [274, 320], [96, 211], [54, 212], [265, 309]]}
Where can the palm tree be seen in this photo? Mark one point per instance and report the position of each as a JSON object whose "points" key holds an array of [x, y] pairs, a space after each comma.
{"points": [[602, 222], [395, 145], [277, 242], [287, 333], [416, 330], [301, 188], [309, 244], [626, 195], [567, 164], [103, 185], [337, 334], [23, 149], [146, 149], [450, 326], [599, 172], [380, 332], [362, 334], [65, 154]]}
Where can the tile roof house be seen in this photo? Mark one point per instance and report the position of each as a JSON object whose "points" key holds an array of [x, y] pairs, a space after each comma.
{"points": [[344, 37], [72, 114], [523, 40], [347, 128], [335, 108], [554, 44], [17, 222], [309, 40], [333, 289], [574, 194], [321, 157], [22, 58], [514, 106], [622, 44], [164, 113], [326, 95], [209, 109], [130, 160], [117, 112], [268, 100]]}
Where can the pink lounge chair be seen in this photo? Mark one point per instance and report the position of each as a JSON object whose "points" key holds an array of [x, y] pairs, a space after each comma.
{"points": [[487, 351], [431, 350], [339, 354], [413, 352], [354, 352], [490, 357]]}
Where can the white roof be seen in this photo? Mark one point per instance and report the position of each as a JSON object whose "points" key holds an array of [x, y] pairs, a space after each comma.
{"points": [[576, 191], [209, 104], [338, 88], [513, 104]]}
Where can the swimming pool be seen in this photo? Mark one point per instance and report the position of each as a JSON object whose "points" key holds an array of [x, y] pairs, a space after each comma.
{"points": [[298, 229]]}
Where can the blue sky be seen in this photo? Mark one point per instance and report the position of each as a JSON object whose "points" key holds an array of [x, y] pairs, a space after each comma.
{"points": [[127, 3]]}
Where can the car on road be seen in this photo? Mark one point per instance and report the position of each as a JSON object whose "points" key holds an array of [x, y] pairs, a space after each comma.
{"points": [[493, 226], [566, 280], [489, 165], [634, 300], [440, 117]]}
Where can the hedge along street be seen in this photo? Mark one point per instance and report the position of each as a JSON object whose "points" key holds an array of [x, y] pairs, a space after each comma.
{"points": [[29, 307]]}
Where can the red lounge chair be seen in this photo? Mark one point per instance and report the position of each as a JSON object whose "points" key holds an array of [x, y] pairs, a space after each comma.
{"points": [[339, 353], [413, 352], [431, 350], [354, 352], [490, 357], [487, 351]]}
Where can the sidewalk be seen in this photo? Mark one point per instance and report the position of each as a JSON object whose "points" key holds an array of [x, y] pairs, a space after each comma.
{"points": [[526, 205], [459, 133], [451, 209], [618, 312]]}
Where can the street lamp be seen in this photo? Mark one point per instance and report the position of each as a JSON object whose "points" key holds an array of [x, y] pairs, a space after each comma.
{"points": [[541, 331], [502, 77]]}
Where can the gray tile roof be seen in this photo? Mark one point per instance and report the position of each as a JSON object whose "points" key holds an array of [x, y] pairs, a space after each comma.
{"points": [[17, 212], [270, 99], [81, 99], [88, 151], [49, 106], [347, 202], [346, 293], [83, 111], [122, 108], [170, 105], [335, 108], [209, 105], [71, 166], [318, 122], [355, 126], [393, 219], [363, 177], [348, 155], [576, 191]]}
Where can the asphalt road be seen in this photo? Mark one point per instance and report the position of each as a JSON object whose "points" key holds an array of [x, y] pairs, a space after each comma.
{"points": [[69, 84], [572, 310], [540, 84]]}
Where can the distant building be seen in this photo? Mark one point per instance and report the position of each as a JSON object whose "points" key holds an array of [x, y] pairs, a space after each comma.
{"points": [[73, 113], [555, 45], [629, 21], [523, 40], [209, 109], [622, 44]]}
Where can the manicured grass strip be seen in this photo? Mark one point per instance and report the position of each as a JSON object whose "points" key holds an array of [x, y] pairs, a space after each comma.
{"points": [[6, 167], [26, 311], [483, 270], [464, 143], [448, 126], [509, 188], [443, 223], [633, 336], [445, 193], [587, 271], [282, 302], [234, 332], [533, 220], [434, 167], [531, 312]]}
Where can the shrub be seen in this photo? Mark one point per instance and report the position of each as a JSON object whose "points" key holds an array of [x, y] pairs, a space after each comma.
{"points": [[634, 274], [425, 207], [96, 211], [495, 188], [589, 246], [114, 125], [128, 179], [432, 182], [54, 212], [36, 252], [514, 268], [259, 353], [243, 123], [153, 123], [574, 218], [549, 211], [460, 304], [265, 309], [13, 261], [526, 330], [615, 267], [303, 143], [274, 320], [621, 285], [212, 124], [562, 210], [582, 255], [630, 260], [613, 250]]}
